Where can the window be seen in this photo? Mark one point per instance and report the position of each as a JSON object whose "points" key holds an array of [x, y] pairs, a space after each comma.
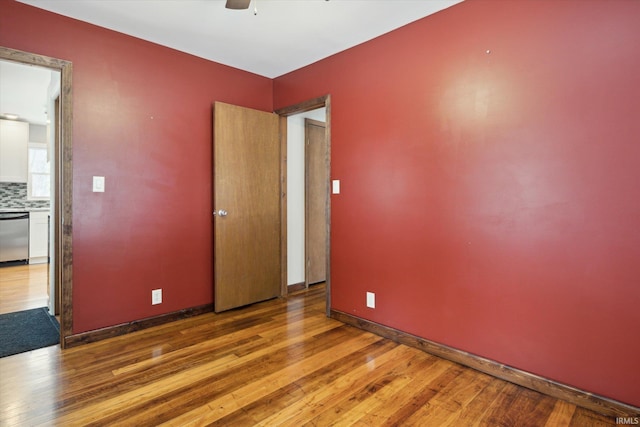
{"points": [[39, 179]]}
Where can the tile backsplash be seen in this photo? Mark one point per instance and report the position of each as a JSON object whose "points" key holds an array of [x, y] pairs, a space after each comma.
{"points": [[13, 195]]}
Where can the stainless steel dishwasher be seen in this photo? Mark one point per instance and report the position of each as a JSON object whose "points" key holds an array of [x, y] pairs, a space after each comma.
{"points": [[14, 236]]}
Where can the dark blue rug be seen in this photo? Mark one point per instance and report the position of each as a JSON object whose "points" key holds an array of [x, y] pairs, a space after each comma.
{"points": [[27, 330]]}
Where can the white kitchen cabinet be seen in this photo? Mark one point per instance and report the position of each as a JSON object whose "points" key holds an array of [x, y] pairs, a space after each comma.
{"points": [[38, 237], [14, 140]]}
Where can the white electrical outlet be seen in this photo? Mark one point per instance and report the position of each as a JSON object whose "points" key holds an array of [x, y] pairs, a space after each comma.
{"points": [[156, 296], [371, 300]]}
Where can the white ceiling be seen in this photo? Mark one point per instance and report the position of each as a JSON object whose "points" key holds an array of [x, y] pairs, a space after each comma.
{"points": [[283, 36]]}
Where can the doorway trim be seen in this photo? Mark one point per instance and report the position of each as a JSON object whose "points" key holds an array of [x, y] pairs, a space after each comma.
{"points": [[62, 189], [311, 104]]}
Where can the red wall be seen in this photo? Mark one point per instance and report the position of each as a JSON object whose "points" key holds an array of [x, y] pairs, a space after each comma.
{"points": [[141, 118], [491, 200]]}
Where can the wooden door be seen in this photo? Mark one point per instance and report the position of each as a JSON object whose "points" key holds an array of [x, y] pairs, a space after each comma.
{"points": [[246, 186], [316, 195]]}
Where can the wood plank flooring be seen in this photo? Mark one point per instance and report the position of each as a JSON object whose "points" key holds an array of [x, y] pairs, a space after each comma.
{"points": [[274, 363], [23, 287]]}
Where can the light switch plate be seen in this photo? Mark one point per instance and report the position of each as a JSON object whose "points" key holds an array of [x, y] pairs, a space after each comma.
{"points": [[98, 184], [335, 186]]}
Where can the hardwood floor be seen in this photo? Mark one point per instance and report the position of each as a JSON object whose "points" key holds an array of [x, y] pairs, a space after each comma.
{"points": [[23, 287], [273, 363]]}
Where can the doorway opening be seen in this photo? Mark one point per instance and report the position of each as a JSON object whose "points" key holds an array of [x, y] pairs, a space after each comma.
{"points": [[297, 258], [316, 181], [61, 184]]}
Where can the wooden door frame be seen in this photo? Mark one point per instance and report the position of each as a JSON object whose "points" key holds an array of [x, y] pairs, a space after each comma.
{"points": [[63, 183], [311, 104]]}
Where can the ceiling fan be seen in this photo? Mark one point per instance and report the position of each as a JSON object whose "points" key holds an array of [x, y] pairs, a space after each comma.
{"points": [[241, 4], [237, 4]]}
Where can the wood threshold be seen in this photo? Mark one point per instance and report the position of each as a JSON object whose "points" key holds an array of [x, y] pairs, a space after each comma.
{"points": [[584, 399], [137, 325], [297, 287]]}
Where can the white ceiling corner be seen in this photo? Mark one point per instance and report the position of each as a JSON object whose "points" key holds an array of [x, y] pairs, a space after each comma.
{"points": [[283, 36]]}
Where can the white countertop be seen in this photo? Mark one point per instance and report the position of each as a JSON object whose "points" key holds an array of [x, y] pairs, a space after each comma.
{"points": [[25, 209]]}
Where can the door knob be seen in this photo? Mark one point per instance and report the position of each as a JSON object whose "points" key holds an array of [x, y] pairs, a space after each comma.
{"points": [[221, 212]]}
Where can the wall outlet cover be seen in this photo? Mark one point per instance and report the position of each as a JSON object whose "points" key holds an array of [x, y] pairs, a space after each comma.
{"points": [[156, 296], [371, 300]]}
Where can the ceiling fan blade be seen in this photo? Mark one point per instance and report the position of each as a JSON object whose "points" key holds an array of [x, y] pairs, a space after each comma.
{"points": [[238, 4]]}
